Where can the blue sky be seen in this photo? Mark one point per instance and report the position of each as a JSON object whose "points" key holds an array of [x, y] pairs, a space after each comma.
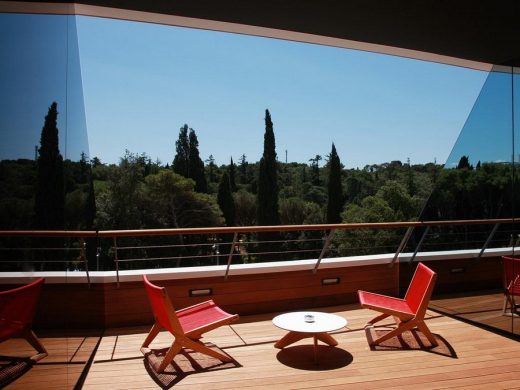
{"points": [[141, 82]]}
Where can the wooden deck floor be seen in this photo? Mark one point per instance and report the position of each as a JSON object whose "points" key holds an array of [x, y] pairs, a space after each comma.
{"points": [[484, 307], [469, 357]]}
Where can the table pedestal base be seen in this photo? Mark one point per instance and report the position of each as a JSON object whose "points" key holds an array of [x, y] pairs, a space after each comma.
{"points": [[292, 337]]}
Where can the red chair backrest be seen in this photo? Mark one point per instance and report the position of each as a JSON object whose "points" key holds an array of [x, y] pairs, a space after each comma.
{"points": [[511, 270], [19, 305], [420, 289], [162, 307]]}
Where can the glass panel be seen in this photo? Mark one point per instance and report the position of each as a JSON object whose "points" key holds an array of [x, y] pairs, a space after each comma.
{"points": [[44, 181], [476, 184], [32, 75], [516, 188]]}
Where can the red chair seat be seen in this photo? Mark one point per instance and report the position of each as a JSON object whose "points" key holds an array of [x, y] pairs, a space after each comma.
{"points": [[201, 315], [410, 311], [17, 309], [511, 267], [396, 305], [186, 325], [9, 329]]}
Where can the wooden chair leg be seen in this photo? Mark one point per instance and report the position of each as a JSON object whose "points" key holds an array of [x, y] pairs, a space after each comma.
{"points": [[509, 307], [199, 347], [426, 331], [504, 306], [156, 328], [174, 350], [36, 344], [397, 331], [377, 319]]}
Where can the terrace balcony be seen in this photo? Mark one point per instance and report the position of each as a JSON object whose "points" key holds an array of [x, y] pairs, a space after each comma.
{"points": [[93, 322], [103, 66]]}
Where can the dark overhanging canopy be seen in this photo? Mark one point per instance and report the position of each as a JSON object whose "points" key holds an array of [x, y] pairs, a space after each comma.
{"points": [[480, 31]]}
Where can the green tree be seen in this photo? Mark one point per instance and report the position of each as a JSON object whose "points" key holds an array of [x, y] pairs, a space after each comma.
{"points": [[243, 170], [17, 185], [121, 205], [90, 205], [232, 181], [292, 211], [412, 188], [225, 200], [464, 163], [315, 170], [268, 179], [245, 208], [182, 157], [195, 164], [335, 188], [49, 208], [172, 202], [267, 196], [95, 162], [366, 241], [211, 168]]}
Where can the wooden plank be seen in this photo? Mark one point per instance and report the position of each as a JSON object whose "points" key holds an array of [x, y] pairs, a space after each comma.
{"points": [[483, 359]]}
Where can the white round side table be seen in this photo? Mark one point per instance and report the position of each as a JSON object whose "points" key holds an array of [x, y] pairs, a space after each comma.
{"points": [[303, 324]]}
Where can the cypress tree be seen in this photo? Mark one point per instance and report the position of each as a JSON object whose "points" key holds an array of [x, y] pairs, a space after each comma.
{"points": [[90, 206], [90, 215], [243, 169], [315, 170], [464, 163], [335, 188], [196, 165], [49, 204], [232, 181], [225, 200], [410, 178], [268, 179], [182, 156], [211, 168], [267, 194]]}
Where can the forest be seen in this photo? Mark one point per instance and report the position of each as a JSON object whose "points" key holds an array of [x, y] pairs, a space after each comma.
{"points": [[140, 193]]}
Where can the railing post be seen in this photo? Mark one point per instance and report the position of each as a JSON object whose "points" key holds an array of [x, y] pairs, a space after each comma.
{"points": [[230, 257], [83, 257], [488, 240], [116, 259], [324, 250], [98, 253], [419, 244], [403, 243]]}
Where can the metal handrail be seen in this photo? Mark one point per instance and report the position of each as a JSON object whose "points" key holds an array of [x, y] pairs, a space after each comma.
{"points": [[328, 230], [248, 229]]}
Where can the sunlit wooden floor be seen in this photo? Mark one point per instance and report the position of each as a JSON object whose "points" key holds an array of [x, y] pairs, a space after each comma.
{"points": [[484, 307], [469, 358]]}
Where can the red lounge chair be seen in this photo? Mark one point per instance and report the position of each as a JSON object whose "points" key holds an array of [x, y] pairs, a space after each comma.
{"points": [[17, 309], [186, 325], [511, 285], [408, 312]]}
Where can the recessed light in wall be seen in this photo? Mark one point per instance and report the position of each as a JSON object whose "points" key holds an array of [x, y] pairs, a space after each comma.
{"points": [[201, 292], [330, 281]]}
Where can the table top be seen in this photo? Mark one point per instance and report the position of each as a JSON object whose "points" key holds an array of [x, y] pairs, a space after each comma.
{"points": [[322, 322]]}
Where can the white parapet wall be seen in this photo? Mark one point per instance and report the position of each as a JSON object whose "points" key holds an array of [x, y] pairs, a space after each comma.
{"points": [[246, 269]]}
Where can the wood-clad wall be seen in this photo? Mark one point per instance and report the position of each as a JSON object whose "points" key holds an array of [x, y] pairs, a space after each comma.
{"points": [[106, 305], [459, 274]]}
